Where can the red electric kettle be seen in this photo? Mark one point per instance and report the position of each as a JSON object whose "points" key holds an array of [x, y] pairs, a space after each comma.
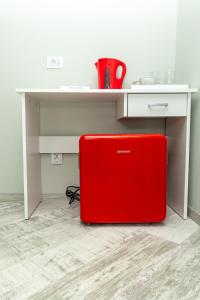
{"points": [[107, 73]]}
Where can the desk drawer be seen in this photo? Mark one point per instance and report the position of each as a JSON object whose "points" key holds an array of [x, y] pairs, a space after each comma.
{"points": [[157, 105]]}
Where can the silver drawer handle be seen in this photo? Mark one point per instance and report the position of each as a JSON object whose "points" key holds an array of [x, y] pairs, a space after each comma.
{"points": [[165, 105]]}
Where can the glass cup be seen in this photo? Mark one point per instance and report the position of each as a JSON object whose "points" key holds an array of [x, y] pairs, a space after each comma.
{"points": [[170, 76], [161, 77]]}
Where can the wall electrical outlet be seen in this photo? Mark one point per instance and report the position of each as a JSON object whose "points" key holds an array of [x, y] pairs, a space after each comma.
{"points": [[56, 159], [54, 62]]}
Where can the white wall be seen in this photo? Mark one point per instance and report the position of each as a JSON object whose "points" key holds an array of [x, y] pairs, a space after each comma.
{"points": [[188, 71], [139, 32]]}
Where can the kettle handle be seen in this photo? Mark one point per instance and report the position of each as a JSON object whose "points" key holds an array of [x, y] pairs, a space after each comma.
{"points": [[123, 71]]}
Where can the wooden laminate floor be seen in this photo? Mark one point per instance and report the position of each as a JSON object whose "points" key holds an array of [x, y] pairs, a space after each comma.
{"points": [[54, 256]]}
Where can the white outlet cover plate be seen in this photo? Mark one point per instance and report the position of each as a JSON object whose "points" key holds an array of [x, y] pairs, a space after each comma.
{"points": [[55, 62], [56, 159]]}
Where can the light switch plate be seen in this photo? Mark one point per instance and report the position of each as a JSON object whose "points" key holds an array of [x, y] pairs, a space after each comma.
{"points": [[55, 62]]}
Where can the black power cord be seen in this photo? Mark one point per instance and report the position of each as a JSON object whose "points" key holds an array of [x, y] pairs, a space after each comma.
{"points": [[73, 193]]}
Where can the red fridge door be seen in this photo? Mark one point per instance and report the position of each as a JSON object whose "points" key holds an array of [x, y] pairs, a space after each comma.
{"points": [[123, 178]]}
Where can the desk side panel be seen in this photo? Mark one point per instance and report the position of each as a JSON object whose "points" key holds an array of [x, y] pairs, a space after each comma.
{"points": [[178, 132], [31, 155]]}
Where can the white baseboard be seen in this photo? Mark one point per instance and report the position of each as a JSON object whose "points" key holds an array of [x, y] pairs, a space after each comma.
{"points": [[195, 216], [52, 196], [20, 197], [12, 197]]}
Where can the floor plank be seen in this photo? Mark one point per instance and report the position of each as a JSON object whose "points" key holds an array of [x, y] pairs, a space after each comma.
{"points": [[54, 256]]}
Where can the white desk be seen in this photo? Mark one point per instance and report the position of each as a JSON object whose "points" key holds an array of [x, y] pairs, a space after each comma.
{"points": [[171, 103]]}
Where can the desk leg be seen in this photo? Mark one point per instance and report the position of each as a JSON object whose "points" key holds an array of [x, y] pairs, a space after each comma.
{"points": [[178, 132], [31, 155]]}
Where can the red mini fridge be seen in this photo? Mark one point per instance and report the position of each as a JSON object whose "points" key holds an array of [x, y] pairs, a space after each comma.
{"points": [[123, 178]]}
